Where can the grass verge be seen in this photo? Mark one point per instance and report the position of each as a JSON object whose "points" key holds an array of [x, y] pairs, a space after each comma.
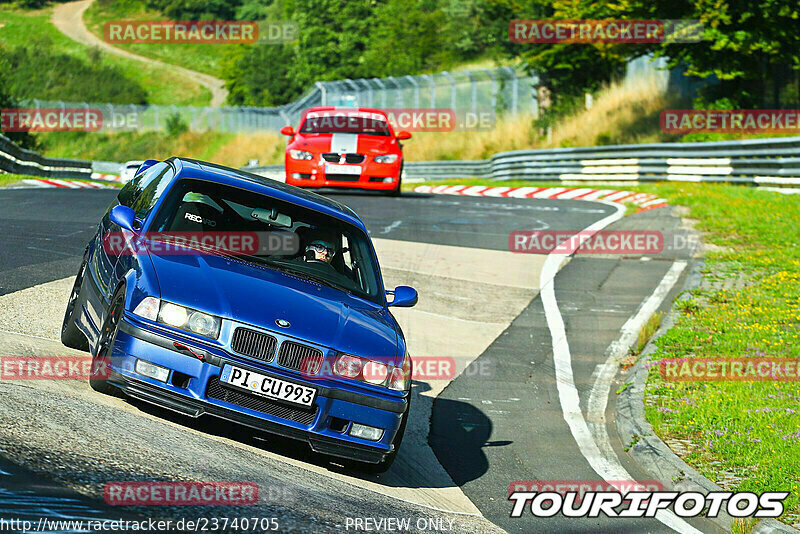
{"points": [[204, 58], [745, 436]]}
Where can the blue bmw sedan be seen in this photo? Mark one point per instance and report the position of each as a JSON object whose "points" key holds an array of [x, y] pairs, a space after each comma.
{"points": [[294, 338]]}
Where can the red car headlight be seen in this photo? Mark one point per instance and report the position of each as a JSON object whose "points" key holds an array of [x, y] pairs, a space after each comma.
{"points": [[300, 154]]}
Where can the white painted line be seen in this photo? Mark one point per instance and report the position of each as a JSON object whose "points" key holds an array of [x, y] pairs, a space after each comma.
{"points": [[608, 468], [598, 399]]}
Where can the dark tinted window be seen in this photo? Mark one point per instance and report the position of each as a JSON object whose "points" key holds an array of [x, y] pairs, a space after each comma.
{"points": [[197, 206], [152, 192], [133, 189]]}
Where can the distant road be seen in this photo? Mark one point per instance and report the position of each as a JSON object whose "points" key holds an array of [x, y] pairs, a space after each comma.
{"points": [[68, 18]]}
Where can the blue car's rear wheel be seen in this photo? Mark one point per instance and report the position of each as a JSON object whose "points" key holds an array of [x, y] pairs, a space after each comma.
{"points": [[105, 344], [71, 336]]}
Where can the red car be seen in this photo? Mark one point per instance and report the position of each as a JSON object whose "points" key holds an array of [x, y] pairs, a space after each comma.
{"points": [[345, 147]]}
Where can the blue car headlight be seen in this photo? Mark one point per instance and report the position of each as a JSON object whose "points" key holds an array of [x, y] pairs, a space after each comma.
{"points": [[181, 317]]}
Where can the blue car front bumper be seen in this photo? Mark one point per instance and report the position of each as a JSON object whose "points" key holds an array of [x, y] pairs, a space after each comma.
{"points": [[193, 388]]}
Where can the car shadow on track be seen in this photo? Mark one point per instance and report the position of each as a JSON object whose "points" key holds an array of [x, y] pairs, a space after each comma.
{"points": [[416, 465]]}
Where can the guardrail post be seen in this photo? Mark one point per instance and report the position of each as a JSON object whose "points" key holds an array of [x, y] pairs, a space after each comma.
{"points": [[323, 91]]}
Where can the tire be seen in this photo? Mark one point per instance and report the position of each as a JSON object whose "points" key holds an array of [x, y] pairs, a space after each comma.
{"points": [[105, 345], [386, 463], [396, 192], [71, 336]]}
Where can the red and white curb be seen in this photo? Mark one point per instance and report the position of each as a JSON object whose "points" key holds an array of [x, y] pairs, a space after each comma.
{"points": [[106, 177], [65, 184], [643, 200]]}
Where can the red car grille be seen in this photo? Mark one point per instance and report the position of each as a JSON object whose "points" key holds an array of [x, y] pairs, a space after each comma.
{"points": [[333, 157]]}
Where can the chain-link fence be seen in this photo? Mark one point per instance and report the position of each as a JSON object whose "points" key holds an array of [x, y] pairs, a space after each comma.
{"points": [[494, 91]]}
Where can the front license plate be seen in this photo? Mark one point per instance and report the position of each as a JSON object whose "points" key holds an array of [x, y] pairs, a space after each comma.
{"points": [[354, 170], [267, 386]]}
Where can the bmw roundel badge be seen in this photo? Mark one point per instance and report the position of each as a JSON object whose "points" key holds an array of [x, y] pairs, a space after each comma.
{"points": [[283, 323]]}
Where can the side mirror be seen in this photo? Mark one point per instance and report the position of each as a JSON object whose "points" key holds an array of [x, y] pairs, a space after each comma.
{"points": [[123, 216], [146, 165], [402, 135], [287, 130], [404, 297]]}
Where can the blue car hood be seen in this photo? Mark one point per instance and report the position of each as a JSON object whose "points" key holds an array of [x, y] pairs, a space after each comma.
{"points": [[260, 296]]}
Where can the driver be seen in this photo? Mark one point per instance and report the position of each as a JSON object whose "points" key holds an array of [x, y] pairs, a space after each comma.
{"points": [[319, 250]]}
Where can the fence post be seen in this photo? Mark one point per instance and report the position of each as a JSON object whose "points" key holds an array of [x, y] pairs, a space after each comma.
{"points": [[433, 89], [416, 90], [452, 89], [474, 87], [398, 98], [514, 89], [351, 83], [494, 89], [383, 91], [323, 91], [369, 90]]}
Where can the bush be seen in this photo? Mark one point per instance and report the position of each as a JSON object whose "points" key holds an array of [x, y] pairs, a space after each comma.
{"points": [[176, 125], [37, 70]]}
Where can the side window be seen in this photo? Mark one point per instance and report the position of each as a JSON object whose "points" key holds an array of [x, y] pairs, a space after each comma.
{"points": [[133, 189], [152, 192]]}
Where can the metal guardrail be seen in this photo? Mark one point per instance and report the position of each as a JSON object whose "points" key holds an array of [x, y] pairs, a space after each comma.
{"points": [[16, 160], [772, 161]]}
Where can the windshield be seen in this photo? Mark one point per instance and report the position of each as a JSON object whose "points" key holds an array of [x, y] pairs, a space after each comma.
{"points": [[337, 121], [330, 252]]}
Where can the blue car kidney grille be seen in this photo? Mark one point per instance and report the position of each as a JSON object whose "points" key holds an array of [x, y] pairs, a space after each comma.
{"points": [[254, 344], [299, 357]]}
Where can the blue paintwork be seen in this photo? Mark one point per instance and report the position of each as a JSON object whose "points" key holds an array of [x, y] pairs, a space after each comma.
{"points": [[243, 295]]}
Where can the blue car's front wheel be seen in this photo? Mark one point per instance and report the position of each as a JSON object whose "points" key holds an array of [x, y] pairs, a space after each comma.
{"points": [[105, 344]]}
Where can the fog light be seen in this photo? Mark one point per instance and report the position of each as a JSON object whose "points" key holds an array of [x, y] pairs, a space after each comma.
{"points": [[388, 180], [366, 432], [156, 372]]}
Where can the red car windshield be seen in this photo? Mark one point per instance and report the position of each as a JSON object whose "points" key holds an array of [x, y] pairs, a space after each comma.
{"points": [[351, 122]]}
